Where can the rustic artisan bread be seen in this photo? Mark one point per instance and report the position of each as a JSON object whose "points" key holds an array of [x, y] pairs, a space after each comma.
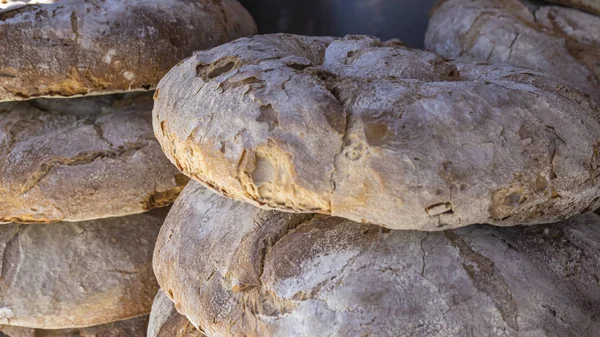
{"points": [[81, 159], [78, 47], [134, 327], [379, 133], [236, 270], [165, 321], [68, 275], [560, 41]]}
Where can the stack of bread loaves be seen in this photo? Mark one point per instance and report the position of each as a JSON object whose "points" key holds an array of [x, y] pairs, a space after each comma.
{"points": [[351, 169], [340, 186], [78, 173]]}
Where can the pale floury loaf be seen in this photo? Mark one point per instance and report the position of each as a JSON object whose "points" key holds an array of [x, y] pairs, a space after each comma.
{"points": [[376, 132], [236, 270], [563, 42], [72, 275], [82, 159], [77, 47]]}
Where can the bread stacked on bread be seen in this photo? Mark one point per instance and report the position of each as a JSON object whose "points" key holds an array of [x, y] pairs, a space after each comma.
{"points": [[347, 187], [79, 164], [78, 47], [325, 186], [237, 270], [379, 133], [64, 275]]}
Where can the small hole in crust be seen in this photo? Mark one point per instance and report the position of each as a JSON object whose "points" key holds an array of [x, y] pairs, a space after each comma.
{"points": [[221, 70]]}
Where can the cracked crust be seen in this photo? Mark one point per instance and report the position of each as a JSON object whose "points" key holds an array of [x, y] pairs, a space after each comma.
{"points": [[76, 47], [559, 41], [72, 275], [165, 321], [376, 132], [82, 159], [236, 270], [135, 327]]}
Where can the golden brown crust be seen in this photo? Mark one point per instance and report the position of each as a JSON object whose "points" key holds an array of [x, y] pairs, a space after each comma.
{"points": [[82, 159], [77, 47]]}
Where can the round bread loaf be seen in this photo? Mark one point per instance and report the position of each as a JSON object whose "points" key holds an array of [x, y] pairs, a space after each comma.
{"points": [[165, 321], [236, 270], [82, 159], [560, 41], [80, 47], [71, 275], [134, 327], [376, 132]]}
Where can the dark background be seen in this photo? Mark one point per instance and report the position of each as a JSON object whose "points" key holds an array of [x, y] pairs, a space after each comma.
{"points": [[386, 19]]}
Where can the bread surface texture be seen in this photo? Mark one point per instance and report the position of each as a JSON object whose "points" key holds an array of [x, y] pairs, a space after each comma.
{"points": [[236, 270], [376, 132], [560, 41], [82, 159], [76, 47], [73, 275]]}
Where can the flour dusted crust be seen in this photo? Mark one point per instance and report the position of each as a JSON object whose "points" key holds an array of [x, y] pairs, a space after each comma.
{"points": [[82, 159], [376, 132], [77, 47], [72, 275], [236, 270], [563, 42]]}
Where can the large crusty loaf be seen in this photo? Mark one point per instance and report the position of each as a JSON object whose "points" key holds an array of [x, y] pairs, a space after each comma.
{"points": [[69, 275], [165, 321], [134, 327], [82, 159], [560, 41], [379, 133], [77, 47], [236, 270]]}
